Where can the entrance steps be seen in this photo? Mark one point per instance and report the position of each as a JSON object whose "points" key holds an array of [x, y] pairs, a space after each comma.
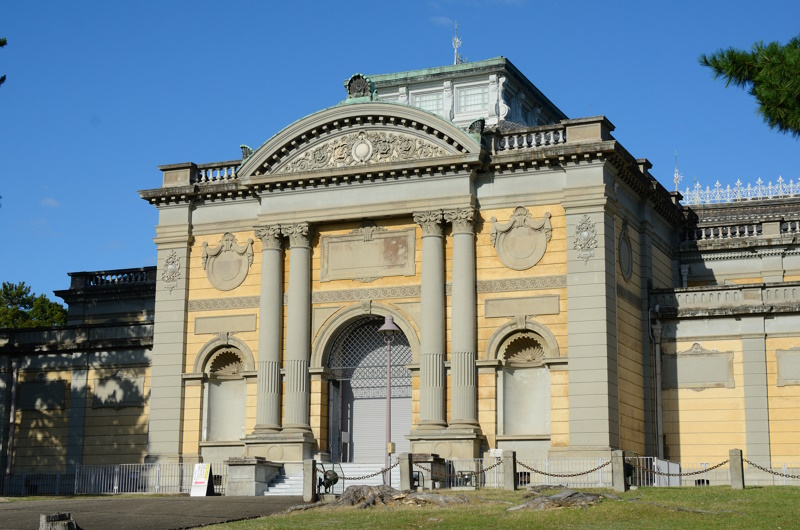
{"points": [[293, 484]]}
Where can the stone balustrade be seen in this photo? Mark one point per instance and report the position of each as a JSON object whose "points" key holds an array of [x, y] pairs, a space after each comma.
{"points": [[529, 138], [94, 279], [216, 172], [723, 232]]}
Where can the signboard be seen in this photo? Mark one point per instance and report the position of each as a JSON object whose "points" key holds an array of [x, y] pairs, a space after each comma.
{"points": [[202, 481], [495, 453]]}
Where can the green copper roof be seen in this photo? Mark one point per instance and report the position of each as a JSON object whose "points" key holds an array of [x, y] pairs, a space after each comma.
{"points": [[453, 68]]}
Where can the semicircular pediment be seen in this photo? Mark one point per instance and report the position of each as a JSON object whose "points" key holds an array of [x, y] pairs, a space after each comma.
{"points": [[358, 135]]}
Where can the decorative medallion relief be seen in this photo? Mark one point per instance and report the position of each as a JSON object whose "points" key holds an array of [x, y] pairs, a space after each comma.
{"points": [[625, 252], [522, 241], [362, 148], [368, 253], [172, 271], [585, 238], [227, 264]]}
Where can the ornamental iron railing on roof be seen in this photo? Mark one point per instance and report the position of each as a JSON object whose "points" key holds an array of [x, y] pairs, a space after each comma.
{"points": [[739, 192]]}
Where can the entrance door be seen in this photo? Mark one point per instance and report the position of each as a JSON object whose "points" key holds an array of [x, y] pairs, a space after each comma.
{"points": [[357, 407]]}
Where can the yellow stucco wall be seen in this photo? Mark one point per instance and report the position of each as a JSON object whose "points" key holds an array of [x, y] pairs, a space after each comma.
{"points": [[784, 407]]}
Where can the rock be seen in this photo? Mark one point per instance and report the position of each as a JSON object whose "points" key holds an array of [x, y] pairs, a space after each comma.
{"points": [[561, 499]]}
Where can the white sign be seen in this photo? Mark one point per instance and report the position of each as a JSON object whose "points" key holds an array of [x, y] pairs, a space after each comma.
{"points": [[496, 453], [202, 481]]}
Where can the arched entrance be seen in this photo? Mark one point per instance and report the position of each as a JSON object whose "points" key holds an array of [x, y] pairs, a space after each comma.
{"points": [[357, 393]]}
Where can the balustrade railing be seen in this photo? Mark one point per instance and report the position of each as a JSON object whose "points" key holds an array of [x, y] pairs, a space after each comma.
{"points": [[216, 172], [739, 192], [711, 233], [522, 139]]}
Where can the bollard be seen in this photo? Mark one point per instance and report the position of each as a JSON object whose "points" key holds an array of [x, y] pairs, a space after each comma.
{"points": [[737, 469], [405, 471], [309, 480], [618, 471], [509, 466]]}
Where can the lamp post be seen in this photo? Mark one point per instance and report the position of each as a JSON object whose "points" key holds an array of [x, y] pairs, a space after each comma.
{"points": [[388, 330]]}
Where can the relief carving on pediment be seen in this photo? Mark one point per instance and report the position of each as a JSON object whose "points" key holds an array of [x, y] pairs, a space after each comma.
{"points": [[362, 148], [521, 242], [227, 264]]}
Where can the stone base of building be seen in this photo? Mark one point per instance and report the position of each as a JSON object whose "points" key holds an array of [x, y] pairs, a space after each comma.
{"points": [[448, 443], [280, 447], [250, 476], [581, 451]]}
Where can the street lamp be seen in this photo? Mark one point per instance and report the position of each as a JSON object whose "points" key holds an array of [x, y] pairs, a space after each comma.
{"points": [[388, 330]]}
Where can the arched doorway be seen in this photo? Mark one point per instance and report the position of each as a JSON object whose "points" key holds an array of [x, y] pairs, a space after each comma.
{"points": [[357, 393]]}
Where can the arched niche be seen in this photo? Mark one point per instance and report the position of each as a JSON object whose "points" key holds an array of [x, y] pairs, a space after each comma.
{"points": [[345, 316], [224, 340], [504, 335]]}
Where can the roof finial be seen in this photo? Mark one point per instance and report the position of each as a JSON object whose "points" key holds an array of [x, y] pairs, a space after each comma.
{"points": [[457, 59], [678, 177]]}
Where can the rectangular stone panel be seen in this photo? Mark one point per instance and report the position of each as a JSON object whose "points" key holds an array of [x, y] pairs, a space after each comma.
{"points": [[528, 305], [368, 254], [788, 367], [42, 395], [228, 323], [119, 391], [702, 370]]}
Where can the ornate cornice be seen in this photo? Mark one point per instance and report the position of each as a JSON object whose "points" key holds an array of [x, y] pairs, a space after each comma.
{"points": [[299, 234], [270, 236], [430, 221], [461, 219]]}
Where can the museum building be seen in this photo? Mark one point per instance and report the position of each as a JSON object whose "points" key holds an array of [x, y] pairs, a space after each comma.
{"points": [[552, 298]]}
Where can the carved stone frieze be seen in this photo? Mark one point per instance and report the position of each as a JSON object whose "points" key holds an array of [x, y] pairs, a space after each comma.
{"points": [[172, 271], [522, 241], [270, 237], [362, 148], [227, 264], [430, 221], [214, 304], [299, 234], [585, 238], [461, 220]]}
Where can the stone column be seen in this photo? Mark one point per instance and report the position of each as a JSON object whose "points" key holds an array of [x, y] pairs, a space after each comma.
{"points": [[432, 346], [268, 402], [463, 322], [77, 410], [754, 386], [298, 328]]}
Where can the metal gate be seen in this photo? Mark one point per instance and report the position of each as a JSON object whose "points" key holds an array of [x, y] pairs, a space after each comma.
{"points": [[357, 394]]}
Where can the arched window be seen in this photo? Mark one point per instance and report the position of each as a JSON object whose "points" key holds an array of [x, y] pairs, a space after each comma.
{"points": [[225, 396]]}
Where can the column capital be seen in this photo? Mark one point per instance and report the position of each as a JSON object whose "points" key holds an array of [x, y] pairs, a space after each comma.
{"points": [[461, 219], [430, 221], [270, 236], [299, 234]]}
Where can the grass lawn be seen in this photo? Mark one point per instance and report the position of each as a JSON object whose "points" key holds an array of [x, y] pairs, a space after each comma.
{"points": [[697, 507]]}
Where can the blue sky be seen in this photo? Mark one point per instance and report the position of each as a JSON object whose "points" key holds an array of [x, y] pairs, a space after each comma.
{"points": [[101, 93]]}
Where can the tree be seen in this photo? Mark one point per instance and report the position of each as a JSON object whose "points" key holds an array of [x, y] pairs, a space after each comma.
{"points": [[772, 73], [3, 42], [19, 308]]}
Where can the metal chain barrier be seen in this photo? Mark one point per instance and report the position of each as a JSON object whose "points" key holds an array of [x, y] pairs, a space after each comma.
{"points": [[459, 474], [382, 471], [777, 473], [700, 472], [563, 475]]}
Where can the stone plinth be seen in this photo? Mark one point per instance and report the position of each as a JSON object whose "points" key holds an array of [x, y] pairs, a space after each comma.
{"points": [[432, 470], [248, 477], [449, 443], [280, 447]]}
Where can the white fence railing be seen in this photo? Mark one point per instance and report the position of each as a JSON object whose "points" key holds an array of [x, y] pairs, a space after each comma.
{"points": [[738, 192], [114, 479]]}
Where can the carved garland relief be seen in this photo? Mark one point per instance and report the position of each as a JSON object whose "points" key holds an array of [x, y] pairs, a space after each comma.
{"points": [[522, 241], [585, 238], [227, 264], [363, 148]]}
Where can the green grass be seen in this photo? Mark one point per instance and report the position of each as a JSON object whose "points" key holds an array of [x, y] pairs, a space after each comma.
{"points": [[707, 507]]}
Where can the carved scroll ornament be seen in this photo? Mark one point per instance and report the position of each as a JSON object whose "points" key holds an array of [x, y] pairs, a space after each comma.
{"points": [[227, 264], [522, 241], [585, 238]]}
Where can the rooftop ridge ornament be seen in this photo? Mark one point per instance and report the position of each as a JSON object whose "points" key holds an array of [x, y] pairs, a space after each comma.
{"points": [[457, 58], [677, 177], [360, 88]]}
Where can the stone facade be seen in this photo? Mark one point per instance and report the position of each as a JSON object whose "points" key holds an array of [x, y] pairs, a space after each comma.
{"points": [[554, 299]]}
